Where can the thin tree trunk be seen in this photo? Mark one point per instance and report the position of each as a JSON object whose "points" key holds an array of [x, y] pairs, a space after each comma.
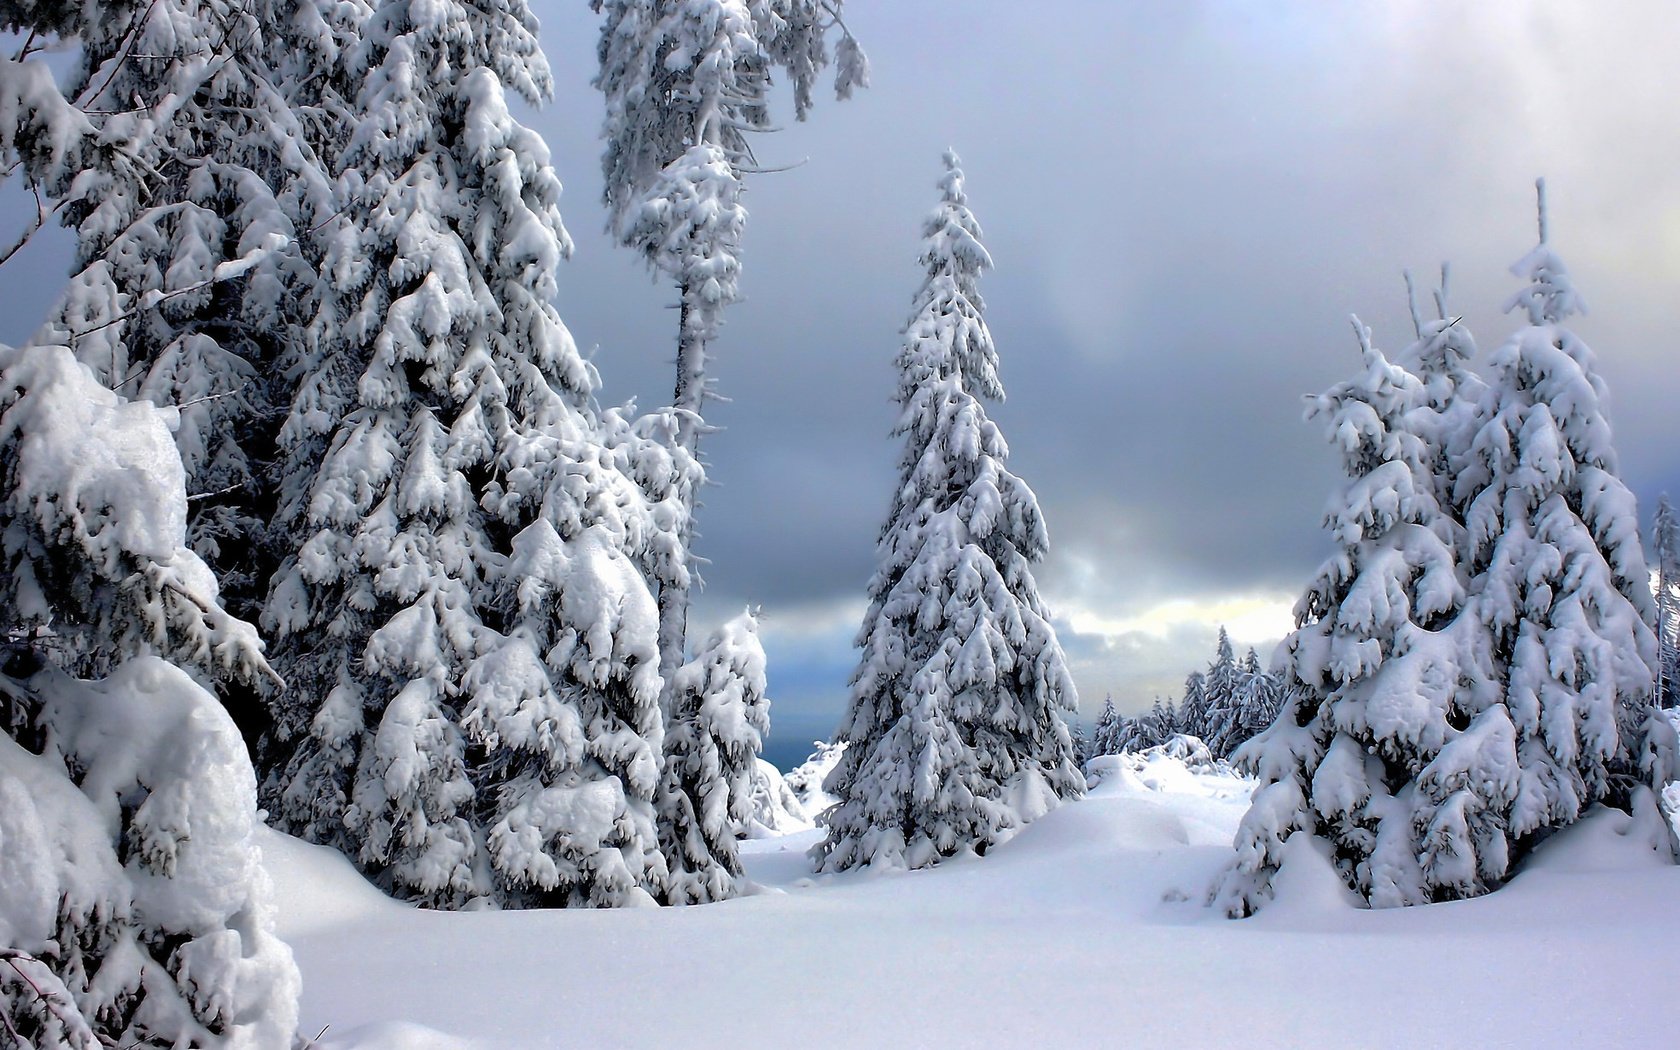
{"points": [[688, 400]]}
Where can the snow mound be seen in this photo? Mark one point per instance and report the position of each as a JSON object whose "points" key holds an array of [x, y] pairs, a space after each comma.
{"points": [[1306, 887], [1605, 840]]}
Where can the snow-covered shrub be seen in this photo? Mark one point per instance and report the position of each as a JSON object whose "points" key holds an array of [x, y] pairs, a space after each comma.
{"points": [[776, 808], [134, 910], [717, 723], [1182, 747], [955, 726], [806, 779]]}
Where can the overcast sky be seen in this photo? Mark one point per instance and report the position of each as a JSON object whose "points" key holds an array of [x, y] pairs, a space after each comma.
{"points": [[1184, 201]]}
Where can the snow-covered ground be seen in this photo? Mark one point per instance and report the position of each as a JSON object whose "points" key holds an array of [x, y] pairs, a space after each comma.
{"points": [[1076, 933]]}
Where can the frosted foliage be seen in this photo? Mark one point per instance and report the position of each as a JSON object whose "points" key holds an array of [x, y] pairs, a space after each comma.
{"points": [[776, 807], [1106, 740], [806, 779], [1381, 676], [135, 910], [1554, 534], [1467, 674], [463, 579], [718, 721], [690, 226], [1220, 695], [1665, 536], [567, 709], [1246, 701], [955, 727], [94, 520], [139, 893], [1191, 713], [193, 281], [682, 73]]}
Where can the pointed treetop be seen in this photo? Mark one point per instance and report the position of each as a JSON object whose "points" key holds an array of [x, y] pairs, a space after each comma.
{"points": [[1550, 296], [952, 183], [1443, 344], [952, 233]]}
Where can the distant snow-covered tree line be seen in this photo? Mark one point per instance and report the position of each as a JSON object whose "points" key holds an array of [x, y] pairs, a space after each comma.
{"points": [[1223, 706]]}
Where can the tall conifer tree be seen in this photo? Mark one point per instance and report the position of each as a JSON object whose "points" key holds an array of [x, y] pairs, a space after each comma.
{"points": [[466, 524], [955, 734]]}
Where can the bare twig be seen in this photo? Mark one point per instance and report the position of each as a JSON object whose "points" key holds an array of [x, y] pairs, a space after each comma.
{"points": [[212, 495], [34, 227]]}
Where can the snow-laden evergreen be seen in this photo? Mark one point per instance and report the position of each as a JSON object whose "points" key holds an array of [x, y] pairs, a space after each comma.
{"points": [[1106, 741], [685, 82], [1467, 674], [716, 728], [955, 734], [1248, 711], [193, 287], [469, 642], [1150, 729], [1219, 697], [1562, 585], [1384, 722], [1190, 714], [775, 807], [134, 910]]}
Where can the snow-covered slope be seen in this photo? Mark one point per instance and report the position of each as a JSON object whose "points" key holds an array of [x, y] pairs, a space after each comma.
{"points": [[1077, 932]]}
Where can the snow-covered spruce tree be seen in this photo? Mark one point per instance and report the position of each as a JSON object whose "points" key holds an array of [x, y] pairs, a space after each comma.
{"points": [[685, 82], [1082, 752], [1129, 733], [717, 724], [1190, 714], [135, 909], [1388, 748], [1665, 543], [1149, 729], [193, 286], [1258, 701], [1219, 699], [1561, 582], [471, 650], [1109, 726], [954, 733], [1448, 415]]}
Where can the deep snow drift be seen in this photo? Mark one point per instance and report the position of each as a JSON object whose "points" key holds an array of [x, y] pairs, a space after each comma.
{"points": [[1077, 932]]}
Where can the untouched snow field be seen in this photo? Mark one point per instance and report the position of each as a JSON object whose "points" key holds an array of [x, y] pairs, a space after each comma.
{"points": [[1076, 933]]}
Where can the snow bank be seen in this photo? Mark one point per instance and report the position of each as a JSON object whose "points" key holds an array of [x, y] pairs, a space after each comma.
{"points": [[1084, 904]]}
